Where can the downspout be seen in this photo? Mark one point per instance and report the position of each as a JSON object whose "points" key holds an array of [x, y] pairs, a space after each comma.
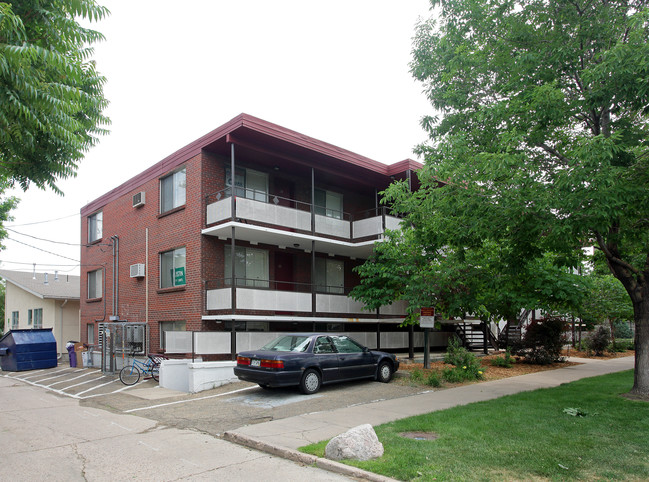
{"points": [[146, 276], [313, 293], [58, 357], [115, 276]]}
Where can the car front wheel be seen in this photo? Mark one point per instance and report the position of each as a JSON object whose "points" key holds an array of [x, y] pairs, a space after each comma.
{"points": [[384, 372], [310, 382]]}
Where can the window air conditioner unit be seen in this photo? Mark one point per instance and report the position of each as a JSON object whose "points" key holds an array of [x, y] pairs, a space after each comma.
{"points": [[137, 270], [139, 199]]}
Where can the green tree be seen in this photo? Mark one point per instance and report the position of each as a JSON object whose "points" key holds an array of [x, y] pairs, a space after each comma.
{"points": [[608, 302], [542, 138], [51, 95]]}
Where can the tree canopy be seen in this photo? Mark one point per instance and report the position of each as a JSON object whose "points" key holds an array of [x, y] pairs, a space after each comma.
{"points": [[540, 144], [51, 95]]}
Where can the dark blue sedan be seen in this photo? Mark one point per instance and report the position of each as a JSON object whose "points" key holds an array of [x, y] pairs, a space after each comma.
{"points": [[310, 360]]}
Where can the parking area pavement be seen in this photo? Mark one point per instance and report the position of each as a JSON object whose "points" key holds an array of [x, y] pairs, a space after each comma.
{"points": [[48, 436], [213, 411]]}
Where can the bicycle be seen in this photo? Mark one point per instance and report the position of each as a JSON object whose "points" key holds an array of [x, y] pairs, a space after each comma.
{"points": [[130, 374]]}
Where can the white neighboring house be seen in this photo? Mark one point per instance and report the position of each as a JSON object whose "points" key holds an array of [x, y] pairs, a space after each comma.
{"points": [[41, 301]]}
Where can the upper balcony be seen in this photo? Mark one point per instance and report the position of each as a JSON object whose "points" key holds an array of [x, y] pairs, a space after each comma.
{"points": [[260, 217]]}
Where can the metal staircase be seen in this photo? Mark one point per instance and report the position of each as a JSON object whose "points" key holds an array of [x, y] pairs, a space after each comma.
{"points": [[513, 333], [472, 335]]}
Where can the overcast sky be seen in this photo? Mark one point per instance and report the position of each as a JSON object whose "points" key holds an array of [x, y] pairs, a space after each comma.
{"points": [[336, 70]]}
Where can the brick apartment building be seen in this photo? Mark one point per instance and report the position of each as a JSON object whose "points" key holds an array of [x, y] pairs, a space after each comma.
{"points": [[159, 248]]}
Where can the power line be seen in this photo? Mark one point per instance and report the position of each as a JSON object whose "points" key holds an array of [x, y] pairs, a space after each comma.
{"points": [[43, 222], [45, 251], [42, 239], [39, 264]]}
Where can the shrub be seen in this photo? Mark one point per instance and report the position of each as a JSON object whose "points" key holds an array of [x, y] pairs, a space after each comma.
{"points": [[433, 379], [506, 361], [465, 364], [416, 375], [457, 355], [462, 374], [622, 345], [599, 340], [621, 329], [543, 341]]}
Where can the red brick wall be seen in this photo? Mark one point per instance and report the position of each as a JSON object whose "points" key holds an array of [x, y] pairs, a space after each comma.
{"points": [[205, 175], [180, 228]]}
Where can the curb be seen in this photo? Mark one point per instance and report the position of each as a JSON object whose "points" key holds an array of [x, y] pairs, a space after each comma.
{"points": [[305, 459]]}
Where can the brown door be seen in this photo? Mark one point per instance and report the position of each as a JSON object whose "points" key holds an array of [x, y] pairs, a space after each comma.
{"points": [[284, 271], [285, 190]]}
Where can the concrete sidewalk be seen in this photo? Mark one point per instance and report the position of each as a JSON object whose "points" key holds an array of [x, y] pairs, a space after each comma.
{"points": [[283, 437]]}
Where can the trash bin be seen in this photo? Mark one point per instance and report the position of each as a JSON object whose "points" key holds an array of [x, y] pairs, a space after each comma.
{"points": [[71, 353], [28, 350]]}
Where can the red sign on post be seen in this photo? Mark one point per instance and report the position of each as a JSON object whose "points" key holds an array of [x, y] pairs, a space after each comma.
{"points": [[427, 318]]}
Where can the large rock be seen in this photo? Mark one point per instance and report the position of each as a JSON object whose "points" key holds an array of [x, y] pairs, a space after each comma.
{"points": [[359, 443]]}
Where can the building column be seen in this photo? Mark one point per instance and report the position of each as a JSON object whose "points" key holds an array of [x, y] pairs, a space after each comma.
{"points": [[233, 290]]}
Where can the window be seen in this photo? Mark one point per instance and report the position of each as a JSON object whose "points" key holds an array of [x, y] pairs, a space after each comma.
{"points": [[346, 345], [91, 333], [323, 345], [38, 317], [249, 183], [172, 268], [173, 191], [328, 203], [95, 284], [250, 268], [29, 317], [14, 320], [95, 222], [329, 276], [166, 326]]}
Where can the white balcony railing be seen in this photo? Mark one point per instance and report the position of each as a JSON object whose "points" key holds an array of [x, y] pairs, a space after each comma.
{"points": [[298, 219], [275, 300]]}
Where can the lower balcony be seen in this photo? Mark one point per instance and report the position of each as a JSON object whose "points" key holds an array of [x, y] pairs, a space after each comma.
{"points": [[275, 296]]}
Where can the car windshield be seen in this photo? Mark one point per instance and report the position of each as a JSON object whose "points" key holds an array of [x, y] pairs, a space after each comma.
{"points": [[288, 343]]}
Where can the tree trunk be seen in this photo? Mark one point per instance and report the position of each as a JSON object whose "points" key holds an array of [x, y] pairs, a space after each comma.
{"points": [[641, 376]]}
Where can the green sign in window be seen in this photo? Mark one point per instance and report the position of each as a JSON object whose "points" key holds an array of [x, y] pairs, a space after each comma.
{"points": [[179, 276]]}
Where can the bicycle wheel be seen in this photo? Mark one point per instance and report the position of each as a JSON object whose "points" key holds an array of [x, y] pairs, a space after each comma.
{"points": [[155, 371], [129, 375]]}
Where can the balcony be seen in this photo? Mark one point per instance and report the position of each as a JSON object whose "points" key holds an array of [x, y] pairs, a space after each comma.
{"points": [[263, 218], [276, 296]]}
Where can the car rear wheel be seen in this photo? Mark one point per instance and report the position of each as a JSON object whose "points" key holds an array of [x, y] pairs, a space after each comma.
{"points": [[311, 382], [384, 372]]}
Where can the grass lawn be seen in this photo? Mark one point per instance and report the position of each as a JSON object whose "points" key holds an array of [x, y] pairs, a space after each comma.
{"points": [[526, 436]]}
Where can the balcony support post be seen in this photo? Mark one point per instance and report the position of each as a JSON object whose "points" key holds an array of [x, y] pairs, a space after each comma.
{"points": [[233, 237], [378, 331], [313, 293], [312, 201]]}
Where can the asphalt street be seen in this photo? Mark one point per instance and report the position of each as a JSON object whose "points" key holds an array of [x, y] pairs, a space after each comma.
{"points": [[212, 412]]}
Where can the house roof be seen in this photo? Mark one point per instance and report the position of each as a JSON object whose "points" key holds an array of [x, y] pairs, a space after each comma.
{"points": [[67, 286], [250, 132]]}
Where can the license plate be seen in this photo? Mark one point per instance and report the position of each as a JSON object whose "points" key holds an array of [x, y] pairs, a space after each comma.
{"points": [[255, 363]]}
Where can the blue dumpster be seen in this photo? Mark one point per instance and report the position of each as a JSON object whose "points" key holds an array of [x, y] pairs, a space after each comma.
{"points": [[22, 350]]}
